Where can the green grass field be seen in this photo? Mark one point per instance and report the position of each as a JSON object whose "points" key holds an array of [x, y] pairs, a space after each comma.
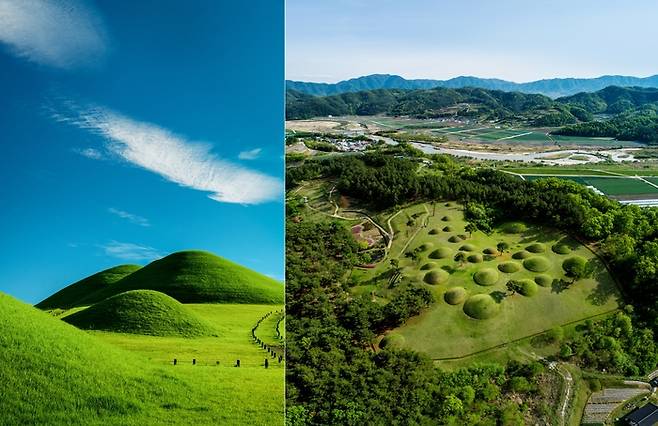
{"points": [[54, 373], [613, 186], [450, 328]]}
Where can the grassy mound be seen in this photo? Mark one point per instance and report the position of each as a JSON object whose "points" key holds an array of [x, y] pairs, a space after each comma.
{"points": [[433, 231], [141, 312], [573, 263], [468, 247], [392, 340], [561, 249], [197, 277], [481, 306], [71, 295], [55, 374], [509, 267], [486, 276], [436, 277], [425, 246], [536, 248], [528, 287], [446, 218], [462, 236], [521, 255], [455, 296], [454, 239], [448, 229], [537, 264], [428, 266], [440, 253], [514, 228], [475, 258], [490, 250], [543, 280]]}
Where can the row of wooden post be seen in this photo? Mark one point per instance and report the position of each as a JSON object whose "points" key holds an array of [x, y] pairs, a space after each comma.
{"points": [[270, 350]]}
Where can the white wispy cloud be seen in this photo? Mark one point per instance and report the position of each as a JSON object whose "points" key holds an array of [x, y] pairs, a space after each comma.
{"points": [[130, 251], [252, 154], [177, 159], [92, 153], [57, 33], [132, 218]]}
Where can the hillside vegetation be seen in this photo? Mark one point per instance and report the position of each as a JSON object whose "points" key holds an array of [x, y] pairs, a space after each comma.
{"points": [[68, 296], [142, 312], [189, 277], [53, 373]]}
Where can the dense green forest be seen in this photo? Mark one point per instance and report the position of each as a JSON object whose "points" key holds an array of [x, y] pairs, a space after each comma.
{"points": [[494, 104], [332, 375], [632, 111]]}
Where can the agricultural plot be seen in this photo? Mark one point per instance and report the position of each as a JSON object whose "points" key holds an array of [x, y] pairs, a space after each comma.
{"points": [[475, 309], [614, 186]]}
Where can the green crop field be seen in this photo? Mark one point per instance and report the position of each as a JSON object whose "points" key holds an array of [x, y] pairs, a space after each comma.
{"points": [[54, 373], [613, 186], [474, 311]]}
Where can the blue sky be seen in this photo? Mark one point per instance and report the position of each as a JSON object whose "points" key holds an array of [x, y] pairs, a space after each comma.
{"points": [[131, 130], [517, 40]]}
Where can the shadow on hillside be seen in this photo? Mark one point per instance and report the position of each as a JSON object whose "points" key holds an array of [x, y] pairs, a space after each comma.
{"points": [[498, 296], [604, 289]]}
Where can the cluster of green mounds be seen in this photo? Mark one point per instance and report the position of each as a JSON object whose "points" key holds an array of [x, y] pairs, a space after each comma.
{"points": [[191, 277], [433, 231], [392, 340], [486, 276], [448, 229], [573, 263], [76, 293], [509, 267], [521, 255], [528, 287], [427, 266], [468, 247], [481, 306], [537, 264], [455, 296], [560, 248], [514, 228], [440, 253], [543, 280], [536, 248], [436, 277], [142, 312], [490, 250], [475, 258]]}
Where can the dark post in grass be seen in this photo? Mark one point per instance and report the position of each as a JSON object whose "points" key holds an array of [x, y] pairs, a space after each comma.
{"points": [[193, 361], [217, 364], [267, 363], [237, 363], [280, 359], [175, 361]]}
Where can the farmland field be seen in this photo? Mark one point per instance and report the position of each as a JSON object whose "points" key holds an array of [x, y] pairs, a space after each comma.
{"points": [[474, 310], [612, 186]]}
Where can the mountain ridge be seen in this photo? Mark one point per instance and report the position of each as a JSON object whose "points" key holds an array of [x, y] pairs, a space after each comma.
{"points": [[552, 87]]}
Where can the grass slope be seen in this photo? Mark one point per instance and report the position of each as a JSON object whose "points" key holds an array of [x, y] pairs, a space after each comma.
{"points": [[142, 312], [53, 373], [69, 296], [195, 277]]}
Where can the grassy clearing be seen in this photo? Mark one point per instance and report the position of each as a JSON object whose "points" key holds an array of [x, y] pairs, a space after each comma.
{"points": [[446, 330], [53, 373]]}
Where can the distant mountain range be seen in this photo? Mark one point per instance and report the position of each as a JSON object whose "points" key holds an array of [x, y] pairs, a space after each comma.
{"points": [[554, 87]]}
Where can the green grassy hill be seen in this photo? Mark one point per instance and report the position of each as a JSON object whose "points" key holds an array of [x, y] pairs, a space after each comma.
{"points": [[189, 277], [73, 294], [142, 312], [53, 373]]}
